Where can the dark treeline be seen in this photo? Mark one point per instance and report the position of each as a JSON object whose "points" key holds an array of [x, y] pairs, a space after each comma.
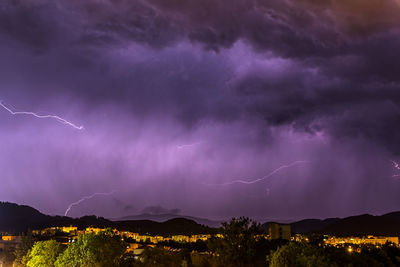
{"points": [[242, 245]]}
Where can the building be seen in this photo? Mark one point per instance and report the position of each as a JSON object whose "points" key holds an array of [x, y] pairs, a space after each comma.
{"points": [[194, 238], [11, 238], [143, 238], [95, 230], [370, 240], [279, 231], [9, 241], [69, 229], [180, 238]]}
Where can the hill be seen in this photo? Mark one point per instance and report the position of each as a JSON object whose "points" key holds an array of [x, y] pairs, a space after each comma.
{"points": [[386, 225], [312, 225], [19, 218], [14, 218], [166, 217], [361, 225], [174, 226]]}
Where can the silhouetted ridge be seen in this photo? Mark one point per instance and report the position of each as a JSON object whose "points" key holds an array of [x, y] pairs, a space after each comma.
{"points": [[361, 225], [175, 226], [166, 217], [17, 218], [312, 225], [388, 224]]}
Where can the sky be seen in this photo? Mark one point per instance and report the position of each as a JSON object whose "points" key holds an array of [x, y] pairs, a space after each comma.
{"points": [[263, 108]]}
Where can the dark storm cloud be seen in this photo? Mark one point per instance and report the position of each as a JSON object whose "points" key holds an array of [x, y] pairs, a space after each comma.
{"points": [[292, 28], [26, 24], [351, 45], [361, 102], [259, 83]]}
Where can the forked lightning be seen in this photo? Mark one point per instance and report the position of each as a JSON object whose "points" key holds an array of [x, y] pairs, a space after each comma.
{"points": [[59, 119]]}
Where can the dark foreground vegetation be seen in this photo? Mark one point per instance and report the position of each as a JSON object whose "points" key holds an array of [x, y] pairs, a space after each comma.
{"points": [[242, 245]]}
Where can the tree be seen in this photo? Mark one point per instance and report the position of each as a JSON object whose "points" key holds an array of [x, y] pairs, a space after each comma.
{"points": [[102, 249], [393, 252], [7, 256], [299, 254], [128, 260], [159, 257], [239, 245], [43, 254], [376, 256], [22, 249]]}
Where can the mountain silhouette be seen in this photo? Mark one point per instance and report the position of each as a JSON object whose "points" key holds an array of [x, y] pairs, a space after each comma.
{"points": [[16, 218], [361, 225], [168, 216]]}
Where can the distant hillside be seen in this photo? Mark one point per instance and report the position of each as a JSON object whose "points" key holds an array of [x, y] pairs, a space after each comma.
{"points": [[386, 225], [312, 225], [18, 218], [168, 216], [15, 218], [171, 227]]}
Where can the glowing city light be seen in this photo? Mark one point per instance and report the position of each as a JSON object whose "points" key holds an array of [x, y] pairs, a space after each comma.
{"points": [[86, 198], [264, 177], [59, 119]]}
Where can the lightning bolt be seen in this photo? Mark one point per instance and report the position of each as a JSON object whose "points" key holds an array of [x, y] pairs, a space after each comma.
{"points": [[86, 198], [264, 177], [59, 119], [396, 166], [189, 145]]}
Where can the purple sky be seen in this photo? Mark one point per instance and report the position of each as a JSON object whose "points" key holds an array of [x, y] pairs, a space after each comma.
{"points": [[180, 97]]}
